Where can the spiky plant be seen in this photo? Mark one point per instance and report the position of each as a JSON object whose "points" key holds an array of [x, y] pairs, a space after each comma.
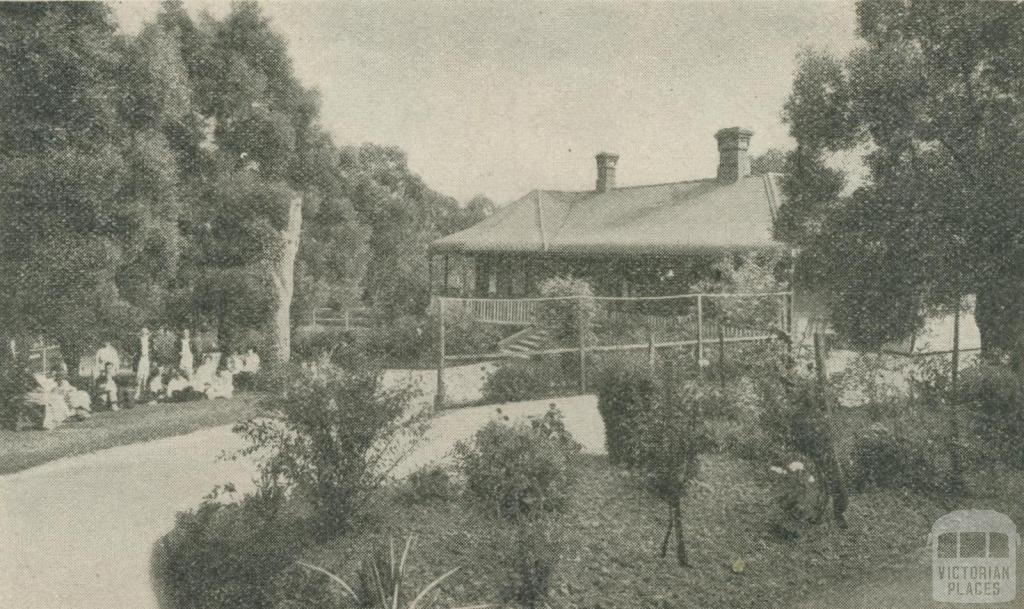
{"points": [[382, 578]]}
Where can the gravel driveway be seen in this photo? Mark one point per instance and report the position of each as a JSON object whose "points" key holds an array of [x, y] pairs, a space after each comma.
{"points": [[77, 533]]}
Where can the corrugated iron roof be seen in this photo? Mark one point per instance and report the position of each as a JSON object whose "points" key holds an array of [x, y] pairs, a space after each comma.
{"points": [[661, 218]]}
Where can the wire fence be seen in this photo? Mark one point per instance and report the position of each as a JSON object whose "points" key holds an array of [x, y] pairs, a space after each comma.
{"points": [[569, 335]]}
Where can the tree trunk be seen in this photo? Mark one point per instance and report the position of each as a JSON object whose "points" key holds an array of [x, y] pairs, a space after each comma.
{"points": [[283, 274]]}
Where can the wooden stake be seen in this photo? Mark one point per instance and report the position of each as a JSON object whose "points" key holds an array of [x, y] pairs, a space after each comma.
{"points": [[439, 399]]}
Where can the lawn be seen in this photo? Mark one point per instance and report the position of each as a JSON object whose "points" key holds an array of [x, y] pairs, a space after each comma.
{"points": [[614, 528], [23, 449]]}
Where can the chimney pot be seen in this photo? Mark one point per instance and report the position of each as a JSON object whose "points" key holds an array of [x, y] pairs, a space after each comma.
{"points": [[606, 171], [733, 156]]}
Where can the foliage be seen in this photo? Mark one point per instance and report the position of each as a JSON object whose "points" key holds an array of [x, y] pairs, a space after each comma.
{"points": [[429, 483], [531, 551], [226, 555], [572, 313], [381, 581], [669, 437], [885, 459], [517, 469], [931, 100], [87, 181], [522, 379], [334, 435], [995, 397], [797, 497], [624, 392]]}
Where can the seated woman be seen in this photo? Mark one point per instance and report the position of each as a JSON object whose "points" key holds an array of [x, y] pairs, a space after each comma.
{"points": [[106, 387], [222, 385], [45, 404], [78, 401]]}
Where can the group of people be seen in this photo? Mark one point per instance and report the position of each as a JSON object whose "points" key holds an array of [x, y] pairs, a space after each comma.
{"points": [[168, 374]]}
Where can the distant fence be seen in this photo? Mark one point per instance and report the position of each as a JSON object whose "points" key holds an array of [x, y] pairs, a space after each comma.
{"points": [[355, 318], [591, 325]]}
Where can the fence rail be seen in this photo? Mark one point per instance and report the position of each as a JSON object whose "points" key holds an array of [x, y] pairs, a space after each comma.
{"points": [[696, 328], [355, 318]]}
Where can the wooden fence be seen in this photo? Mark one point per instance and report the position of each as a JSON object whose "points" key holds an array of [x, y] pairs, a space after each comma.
{"points": [[694, 329]]}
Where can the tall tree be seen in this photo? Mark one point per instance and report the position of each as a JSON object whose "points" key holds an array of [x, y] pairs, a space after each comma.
{"points": [[87, 176], [262, 159], [934, 97]]}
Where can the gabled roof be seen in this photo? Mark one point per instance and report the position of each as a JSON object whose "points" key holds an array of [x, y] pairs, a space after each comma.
{"points": [[663, 218]]}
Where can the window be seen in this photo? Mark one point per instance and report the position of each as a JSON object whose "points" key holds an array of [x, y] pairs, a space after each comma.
{"points": [[998, 545], [972, 545], [946, 546]]}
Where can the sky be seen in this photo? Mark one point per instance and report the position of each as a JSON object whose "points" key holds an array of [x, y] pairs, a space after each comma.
{"points": [[502, 98]]}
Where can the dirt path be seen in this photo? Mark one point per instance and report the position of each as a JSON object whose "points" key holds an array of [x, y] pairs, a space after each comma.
{"points": [[77, 533]]}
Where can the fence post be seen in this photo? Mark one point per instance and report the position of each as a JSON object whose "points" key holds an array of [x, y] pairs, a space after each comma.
{"points": [[582, 343], [721, 353], [346, 321], [650, 351], [439, 399], [700, 329], [788, 303]]}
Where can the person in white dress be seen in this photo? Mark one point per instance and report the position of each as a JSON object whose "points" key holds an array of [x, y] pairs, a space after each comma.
{"points": [[187, 362], [142, 372]]}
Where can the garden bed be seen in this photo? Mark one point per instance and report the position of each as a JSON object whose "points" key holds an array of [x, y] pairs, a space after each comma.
{"points": [[23, 449], [614, 529]]}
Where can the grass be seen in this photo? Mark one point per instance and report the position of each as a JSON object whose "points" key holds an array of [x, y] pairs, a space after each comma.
{"points": [[614, 530], [23, 449]]}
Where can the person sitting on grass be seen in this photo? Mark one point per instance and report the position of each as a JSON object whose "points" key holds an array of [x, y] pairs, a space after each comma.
{"points": [[222, 385], [179, 388], [106, 387], [45, 404], [78, 401]]}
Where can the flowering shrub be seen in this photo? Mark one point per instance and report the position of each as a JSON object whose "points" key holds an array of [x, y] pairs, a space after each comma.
{"points": [[797, 496]]}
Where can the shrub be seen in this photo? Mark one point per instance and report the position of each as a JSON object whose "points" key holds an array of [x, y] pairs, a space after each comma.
{"points": [[334, 435], [574, 309], [885, 459], [518, 380], [797, 497], [430, 483], [522, 467], [995, 397], [531, 550], [313, 344], [624, 393], [669, 437], [226, 555]]}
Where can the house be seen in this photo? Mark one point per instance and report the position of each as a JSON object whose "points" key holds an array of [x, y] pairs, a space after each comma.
{"points": [[626, 240]]}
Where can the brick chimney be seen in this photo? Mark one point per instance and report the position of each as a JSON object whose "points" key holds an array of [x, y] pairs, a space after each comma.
{"points": [[733, 159], [606, 171]]}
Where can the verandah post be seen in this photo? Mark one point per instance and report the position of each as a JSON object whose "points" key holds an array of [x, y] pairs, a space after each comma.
{"points": [[439, 399], [721, 353]]}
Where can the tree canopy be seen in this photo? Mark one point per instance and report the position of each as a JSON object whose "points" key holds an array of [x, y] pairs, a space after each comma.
{"points": [[933, 100], [179, 175]]}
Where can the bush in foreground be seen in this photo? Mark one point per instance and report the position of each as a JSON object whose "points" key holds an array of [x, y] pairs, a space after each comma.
{"points": [[524, 474], [333, 435], [226, 555]]}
